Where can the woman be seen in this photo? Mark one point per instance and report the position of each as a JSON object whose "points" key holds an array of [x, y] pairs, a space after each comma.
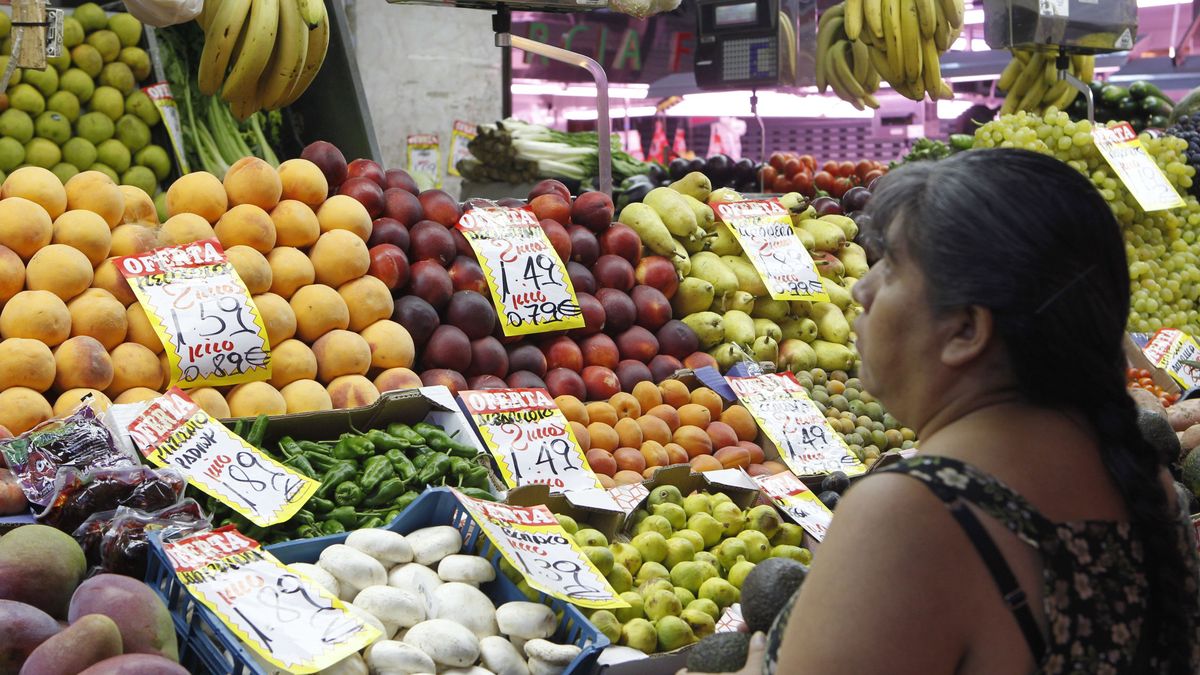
{"points": [[1036, 531]]}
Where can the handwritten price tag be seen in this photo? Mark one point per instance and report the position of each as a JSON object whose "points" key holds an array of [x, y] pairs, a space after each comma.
{"points": [[530, 438], [286, 618], [797, 501], [1169, 349], [174, 431], [765, 231], [202, 312], [462, 134], [1125, 154], [785, 413], [425, 160], [529, 282], [532, 541]]}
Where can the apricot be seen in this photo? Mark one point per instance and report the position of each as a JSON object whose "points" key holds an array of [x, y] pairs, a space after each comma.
{"points": [[110, 279], [96, 313], [252, 267], [132, 239], [573, 409], [602, 463], [26, 363], [22, 409], [139, 207], [368, 299], [352, 391], [82, 361], [96, 192], [12, 274], [647, 395], [390, 344], [650, 471], [248, 225], [339, 256], [393, 379], [84, 231], [721, 434], [210, 401], [606, 482], [627, 477], [198, 192], [603, 436], [630, 459], [277, 316], [291, 360], [693, 440], [295, 224], [626, 405], [675, 453], [303, 181], [38, 315], [655, 454], [599, 411], [709, 399], [37, 185], [184, 228], [134, 366], [741, 421], [629, 434], [340, 352], [675, 393], [775, 467], [342, 212], [654, 429], [290, 270], [250, 180], [255, 398], [25, 227], [139, 329], [70, 400], [306, 396], [582, 437], [702, 463], [137, 395], [732, 457], [756, 452], [695, 415], [319, 309]]}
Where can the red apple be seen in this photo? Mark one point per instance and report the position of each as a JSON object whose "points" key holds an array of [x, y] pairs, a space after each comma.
{"points": [[653, 308], [367, 168], [366, 191], [698, 360], [461, 245], [663, 367], [630, 372], [528, 358], [488, 357], [389, 265]]}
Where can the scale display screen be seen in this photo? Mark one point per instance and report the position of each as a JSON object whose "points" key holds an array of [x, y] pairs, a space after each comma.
{"points": [[735, 15]]}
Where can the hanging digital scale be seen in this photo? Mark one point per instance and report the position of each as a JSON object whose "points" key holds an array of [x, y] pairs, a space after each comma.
{"points": [[1071, 26], [752, 44]]}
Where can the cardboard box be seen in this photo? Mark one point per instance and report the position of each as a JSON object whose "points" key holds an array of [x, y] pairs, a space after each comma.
{"points": [[604, 520], [1137, 359]]}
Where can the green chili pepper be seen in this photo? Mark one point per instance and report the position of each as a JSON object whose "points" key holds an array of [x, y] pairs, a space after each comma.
{"points": [[305, 517], [478, 477], [348, 494], [376, 470], [420, 461], [308, 531], [404, 500], [254, 532], [386, 493], [332, 527], [383, 441], [405, 432], [479, 494], [299, 463], [319, 505], [335, 476], [350, 446], [322, 463], [393, 514], [440, 441], [257, 431], [346, 515], [309, 447], [402, 466], [374, 521], [239, 428], [435, 468]]}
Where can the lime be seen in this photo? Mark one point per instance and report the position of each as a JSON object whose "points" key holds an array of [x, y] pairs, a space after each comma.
{"points": [[155, 158], [95, 127], [79, 151], [16, 124], [12, 153], [114, 154], [43, 153]]}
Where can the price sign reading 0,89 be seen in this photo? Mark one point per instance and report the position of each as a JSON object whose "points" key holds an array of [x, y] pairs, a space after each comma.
{"points": [[528, 281], [765, 231], [287, 619], [202, 313], [532, 541], [785, 413], [530, 438]]}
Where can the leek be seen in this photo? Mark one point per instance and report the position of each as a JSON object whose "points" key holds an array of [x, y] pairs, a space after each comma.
{"points": [[516, 152]]}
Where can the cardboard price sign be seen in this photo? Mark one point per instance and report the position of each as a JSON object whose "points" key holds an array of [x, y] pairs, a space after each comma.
{"points": [[532, 541], [1134, 166], [286, 618], [530, 438], [173, 431], [797, 501], [766, 233], [529, 282], [425, 160], [460, 138], [200, 309], [1172, 350], [785, 413]]}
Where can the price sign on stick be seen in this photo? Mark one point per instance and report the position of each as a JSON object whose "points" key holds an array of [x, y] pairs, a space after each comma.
{"points": [[785, 413], [1137, 170], [286, 618], [532, 541], [797, 501], [530, 438], [173, 431], [202, 312], [528, 281], [767, 235]]}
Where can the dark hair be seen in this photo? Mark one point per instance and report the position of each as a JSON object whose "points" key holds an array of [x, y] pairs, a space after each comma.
{"points": [[1032, 240]]}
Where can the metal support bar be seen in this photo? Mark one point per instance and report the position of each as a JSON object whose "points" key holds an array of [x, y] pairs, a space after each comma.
{"points": [[1064, 73], [603, 122], [762, 136]]}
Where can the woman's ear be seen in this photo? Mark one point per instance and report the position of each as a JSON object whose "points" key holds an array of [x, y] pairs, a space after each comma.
{"points": [[969, 332]]}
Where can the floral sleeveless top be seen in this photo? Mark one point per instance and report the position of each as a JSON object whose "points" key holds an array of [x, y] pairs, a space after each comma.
{"points": [[1093, 585]]}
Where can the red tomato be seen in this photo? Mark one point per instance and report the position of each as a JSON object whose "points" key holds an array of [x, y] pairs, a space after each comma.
{"points": [[830, 168], [840, 185], [863, 168], [780, 183], [767, 174], [823, 180], [803, 183], [777, 160], [792, 167], [810, 162], [846, 169], [871, 175]]}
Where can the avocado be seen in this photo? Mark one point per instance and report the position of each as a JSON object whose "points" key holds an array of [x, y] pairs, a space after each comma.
{"points": [[1191, 471], [767, 588], [1157, 431], [719, 653]]}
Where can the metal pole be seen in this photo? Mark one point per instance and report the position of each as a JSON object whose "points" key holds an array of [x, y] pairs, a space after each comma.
{"points": [[1065, 74], [502, 23]]}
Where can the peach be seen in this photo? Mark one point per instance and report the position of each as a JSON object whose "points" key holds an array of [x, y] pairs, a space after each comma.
{"points": [[22, 409], [296, 224], [675, 393], [252, 267], [440, 207], [675, 453], [695, 415], [249, 225], [603, 436], [548, 186], [60, 269], [96, 192], [139, 329], [627, 477], [667, 414], [12, 274], [368, 300], [698, 360], [450, 379], [96, 313], [70, 400], [341, 212], [562, 352], [774, 467], [132, 239], [582, 437], [319, 309], [733, 456], [84, 231], [606, 482], [629, 434], [721, 434], [593, 210], [255, 398], [664, 366], [185, 228], [303, 181], [390, 345], [25, 227], [139, 207], [291, 360], [600, 411], [551, 207], [198, 192], [306, 396], [693, 440], [631, 372], [340, 352], [137, 395], [709, 399], [602, 462], [571, 407], [277, 316], [630, 459], [352, 391], [560, 381], [657, 272], [655, 454], [82, 361], [290, 271], [339, 256], [600, 350], [133, 366], [251, 180], [626, 406], [741, 421], [448, 348], [210, 401], [702, 463], [654, 429], [394, 379], [38, 315], [488, 358], [758, 470], [37, 185], [108, 278], [26, 363]]}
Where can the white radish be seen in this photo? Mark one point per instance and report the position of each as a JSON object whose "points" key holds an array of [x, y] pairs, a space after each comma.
{"points": [[385, 546], [353, 569], [468, 569], [446, 642], [467, 605], [501, 657], [318, 576], [418, 579], [540, 667], [549, 652], [394, 607], [526, 620], [389, 657], [431, 544]]}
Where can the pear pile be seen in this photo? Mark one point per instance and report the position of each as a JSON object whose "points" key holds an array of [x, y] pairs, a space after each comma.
{"points": [[684, 565], [721, 295]]}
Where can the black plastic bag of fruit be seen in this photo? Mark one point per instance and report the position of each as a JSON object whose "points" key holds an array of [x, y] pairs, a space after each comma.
{"points": [[79, 495]]}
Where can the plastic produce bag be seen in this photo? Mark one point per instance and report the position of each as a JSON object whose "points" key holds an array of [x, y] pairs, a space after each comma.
{"points": [[79, 441], [163, 13], [78, 495], [127, 541]]}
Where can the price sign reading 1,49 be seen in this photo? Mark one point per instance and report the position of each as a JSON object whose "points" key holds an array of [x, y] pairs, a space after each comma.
{"points": [[785, 413], [202, 312], [532, 541], [530, 438], [528, 281]]}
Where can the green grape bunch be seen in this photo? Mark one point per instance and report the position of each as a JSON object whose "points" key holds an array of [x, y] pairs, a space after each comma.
{"points": [[1163, 247]]}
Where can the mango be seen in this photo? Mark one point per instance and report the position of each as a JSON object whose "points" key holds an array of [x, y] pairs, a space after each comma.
{"points": [[25, 627], [87, 641], [143, 619], [41, 566]]}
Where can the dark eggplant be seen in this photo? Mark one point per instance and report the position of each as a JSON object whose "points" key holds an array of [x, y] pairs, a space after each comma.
{"points": [[656, 173], [696, 164], [744, 170], [678, 169], [719, 168]]}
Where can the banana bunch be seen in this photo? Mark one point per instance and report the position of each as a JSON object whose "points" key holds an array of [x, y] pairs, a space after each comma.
{"points": [[844, 64], [261, 54], [1030, 81]]}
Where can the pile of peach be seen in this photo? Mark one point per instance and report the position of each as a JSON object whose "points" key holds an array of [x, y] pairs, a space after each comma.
{"points": [[631, 435]]}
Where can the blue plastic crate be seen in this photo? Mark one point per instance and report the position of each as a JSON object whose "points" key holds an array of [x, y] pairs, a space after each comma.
{"points": [[206, 645]]}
